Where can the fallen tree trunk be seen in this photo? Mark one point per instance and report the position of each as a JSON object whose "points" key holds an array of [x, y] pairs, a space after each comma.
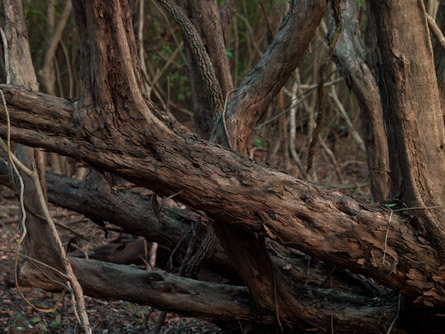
{"points": [[133, 213], [320, 222], [108, 281], [218, 302], [160, 289], [116, 128]]}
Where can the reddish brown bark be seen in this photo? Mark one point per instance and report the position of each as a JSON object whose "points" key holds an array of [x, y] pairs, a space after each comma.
{"points": [[412, 113], [230, 189], [117, 129], [270, 74], [261, 200]]}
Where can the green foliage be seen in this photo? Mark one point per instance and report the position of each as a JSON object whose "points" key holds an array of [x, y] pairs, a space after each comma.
{"points": [[31, 12], [260, 142], [55, 324], [180, 82]]}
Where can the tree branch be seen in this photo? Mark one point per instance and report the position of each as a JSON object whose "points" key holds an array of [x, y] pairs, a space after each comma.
{"points": [[200, 55], [270, 74], [206, 300], [261, 200], [350, 56], [226, 14]]}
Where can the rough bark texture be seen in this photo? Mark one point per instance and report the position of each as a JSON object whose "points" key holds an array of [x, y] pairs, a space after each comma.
{"points": [[197, 298], [233, 190], [95, 198], [209, 300], [154, 287], [132, 211], [202, 61], [114, 127], [206, 19], [412, 112], [247, 253], [350, 57]]}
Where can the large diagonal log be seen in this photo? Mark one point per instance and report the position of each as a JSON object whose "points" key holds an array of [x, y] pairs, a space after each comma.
{"points": [[320, 222], [133, 213]]}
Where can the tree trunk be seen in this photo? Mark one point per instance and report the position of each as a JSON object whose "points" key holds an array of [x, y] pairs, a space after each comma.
{"points": [[350, 58], [413, 114], [116, 128], [205, 17], [20, 71]]}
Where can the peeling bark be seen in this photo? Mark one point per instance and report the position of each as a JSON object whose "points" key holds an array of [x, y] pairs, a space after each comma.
{"points": [[116, 128], [132, 212], [234, 190]]}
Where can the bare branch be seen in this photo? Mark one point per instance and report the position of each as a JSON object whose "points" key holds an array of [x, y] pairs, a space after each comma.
{"points": [[269, 75]]}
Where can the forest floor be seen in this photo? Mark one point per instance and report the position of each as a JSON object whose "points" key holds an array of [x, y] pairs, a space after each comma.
{"points": [[106, 317], [112, 317]]}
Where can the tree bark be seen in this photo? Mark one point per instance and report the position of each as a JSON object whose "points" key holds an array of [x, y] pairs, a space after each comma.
{"points": [[350, 57], [229, 188], [269, 203], [20, 71], [226, 14], [206, 19], [270, 74], [412, 112], [95, 198], [210, 300], [116, 128]]}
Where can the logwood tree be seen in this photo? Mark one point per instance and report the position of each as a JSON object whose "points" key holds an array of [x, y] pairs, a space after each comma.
{"points": [[265, 220]]}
